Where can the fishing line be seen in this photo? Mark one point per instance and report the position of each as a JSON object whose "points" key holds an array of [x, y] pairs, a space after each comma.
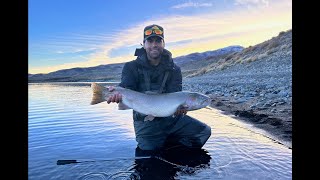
{"points": [[218, 167], [221, 172], [129, 173], [185, 169]]}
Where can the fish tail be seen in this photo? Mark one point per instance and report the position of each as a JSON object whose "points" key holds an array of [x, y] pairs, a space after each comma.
{"points": [[98, 96]]}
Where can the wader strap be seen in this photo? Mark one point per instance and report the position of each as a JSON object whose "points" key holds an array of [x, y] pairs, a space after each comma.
{"points": [[164, 82], [146, 79]]}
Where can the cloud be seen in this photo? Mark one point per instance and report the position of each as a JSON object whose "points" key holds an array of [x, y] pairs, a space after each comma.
{"points": [[77, 51], [70, 43], [252, 3], [191, 4], [196, 33]]}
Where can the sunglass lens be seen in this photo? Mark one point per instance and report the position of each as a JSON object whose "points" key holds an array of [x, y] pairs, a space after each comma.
{"points": [[148, 32], [157, 31]]}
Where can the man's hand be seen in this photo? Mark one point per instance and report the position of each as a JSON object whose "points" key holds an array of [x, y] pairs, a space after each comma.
{"points": [[114, 98], [182, 110]]}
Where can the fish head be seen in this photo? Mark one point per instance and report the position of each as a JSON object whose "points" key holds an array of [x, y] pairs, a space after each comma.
{"points": [[197, 101]]}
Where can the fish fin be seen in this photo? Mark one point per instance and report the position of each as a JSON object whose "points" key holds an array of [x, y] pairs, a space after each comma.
{"points": [[122, 106], [184, 106], [97, 93], [151, 92], [149, 118]]}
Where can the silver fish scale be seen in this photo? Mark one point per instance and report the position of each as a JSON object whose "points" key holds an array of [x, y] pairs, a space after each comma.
{"points": [[161, 105], [158, 105]]}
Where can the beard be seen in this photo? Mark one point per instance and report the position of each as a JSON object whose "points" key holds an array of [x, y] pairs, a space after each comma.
{"points": [[155, 53]]}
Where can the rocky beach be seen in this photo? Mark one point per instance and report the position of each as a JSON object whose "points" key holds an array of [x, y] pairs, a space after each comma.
{"points": [[255, 85]]}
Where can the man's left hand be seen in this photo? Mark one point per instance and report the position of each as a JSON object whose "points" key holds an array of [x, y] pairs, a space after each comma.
{"points": [[182, 110]]}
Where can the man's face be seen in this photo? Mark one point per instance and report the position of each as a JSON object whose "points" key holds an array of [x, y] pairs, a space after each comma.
{"points": [[154, 47]]}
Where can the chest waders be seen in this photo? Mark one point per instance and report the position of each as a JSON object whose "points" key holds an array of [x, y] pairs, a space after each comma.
{"points": [[147, 80], [183, 130]]}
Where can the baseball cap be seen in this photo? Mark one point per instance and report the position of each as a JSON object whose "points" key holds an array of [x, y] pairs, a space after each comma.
{"points": [[153, 30]]}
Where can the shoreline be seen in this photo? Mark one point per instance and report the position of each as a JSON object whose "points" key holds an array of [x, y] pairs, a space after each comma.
{"points": [[278, 125], [257, 92]]}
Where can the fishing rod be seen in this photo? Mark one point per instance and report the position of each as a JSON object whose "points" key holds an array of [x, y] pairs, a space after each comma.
{"points": [[184, 168], [73, 161]]}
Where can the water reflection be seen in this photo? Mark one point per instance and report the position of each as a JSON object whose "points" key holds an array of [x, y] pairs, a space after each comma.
{"points": [[165, 164]]}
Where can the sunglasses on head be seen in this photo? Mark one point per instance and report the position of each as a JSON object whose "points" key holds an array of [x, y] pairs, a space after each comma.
{"points": [[156, 31]]}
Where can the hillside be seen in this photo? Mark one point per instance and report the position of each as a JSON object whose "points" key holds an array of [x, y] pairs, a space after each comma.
{"points": [[193, 62], [108, 72], [262, 51], [254, 84], [112, 72]]}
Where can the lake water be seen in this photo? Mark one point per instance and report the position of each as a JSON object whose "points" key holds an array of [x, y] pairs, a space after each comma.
{"points": [[63, 125]]}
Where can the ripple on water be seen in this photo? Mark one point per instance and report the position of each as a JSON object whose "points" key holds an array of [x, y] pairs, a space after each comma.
{"points": [[62, 125]]}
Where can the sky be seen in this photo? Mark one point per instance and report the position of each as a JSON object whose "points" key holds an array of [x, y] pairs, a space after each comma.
{"points": [[64, 34]]}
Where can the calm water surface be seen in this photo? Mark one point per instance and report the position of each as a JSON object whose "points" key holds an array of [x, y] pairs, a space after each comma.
{"points": [[63, 125]]}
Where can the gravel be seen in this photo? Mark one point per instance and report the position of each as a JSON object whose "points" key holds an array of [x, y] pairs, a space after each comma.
{"points": [[262, 88]]}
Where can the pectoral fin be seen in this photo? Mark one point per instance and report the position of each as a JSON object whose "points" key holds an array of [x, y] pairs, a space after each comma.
{"points": [[122, 106], [185, 106], [149, 118]]}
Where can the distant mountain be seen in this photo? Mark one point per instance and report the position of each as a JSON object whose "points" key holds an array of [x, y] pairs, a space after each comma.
{"points": [[200, 56], [112, 72], [195, 61], [109, 72], [266, 50]]}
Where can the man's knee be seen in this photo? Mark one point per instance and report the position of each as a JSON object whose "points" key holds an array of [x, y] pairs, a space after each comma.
{"points": [[205, 134], [197, 140], [150, 144]]}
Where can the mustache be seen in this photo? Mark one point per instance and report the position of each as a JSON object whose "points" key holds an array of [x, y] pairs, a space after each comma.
{"points": [[156, 48]]}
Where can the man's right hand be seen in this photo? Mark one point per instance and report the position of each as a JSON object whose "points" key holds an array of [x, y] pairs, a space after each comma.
{"points": [[115, 97]]}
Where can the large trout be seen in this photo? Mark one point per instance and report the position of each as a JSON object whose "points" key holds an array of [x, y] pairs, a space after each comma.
{"points": [[151, 104]]}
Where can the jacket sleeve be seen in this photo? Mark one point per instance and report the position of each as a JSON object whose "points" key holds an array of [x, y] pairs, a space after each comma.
{"points": [[175, 81], [129, 76]]}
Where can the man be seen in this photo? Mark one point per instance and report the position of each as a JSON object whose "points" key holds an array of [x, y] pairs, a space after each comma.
{"points": [[155, 71]]}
